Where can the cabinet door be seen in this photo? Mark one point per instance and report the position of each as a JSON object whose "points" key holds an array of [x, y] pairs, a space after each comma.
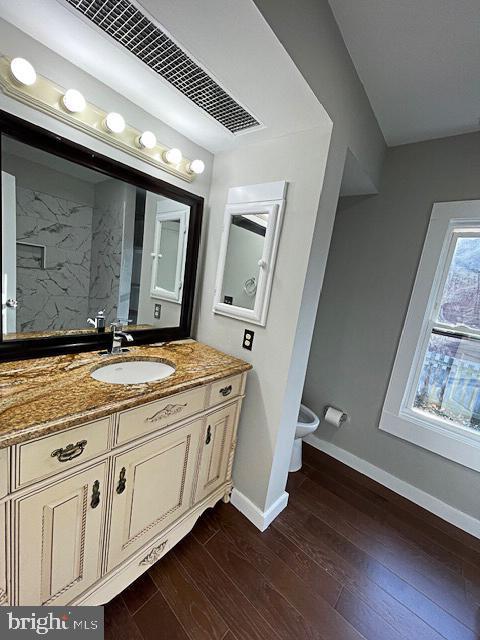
{"points": [[59, 538], [153, 487], [216, 446], [3, 555]]}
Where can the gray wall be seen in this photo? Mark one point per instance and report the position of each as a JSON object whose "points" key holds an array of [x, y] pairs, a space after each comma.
{"points": [[372, 263], [310, 34]]}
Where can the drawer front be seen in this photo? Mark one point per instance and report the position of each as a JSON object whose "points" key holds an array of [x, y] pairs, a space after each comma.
{"points": [[162, 413], [225, 389], [61, 451], [3, 472]]}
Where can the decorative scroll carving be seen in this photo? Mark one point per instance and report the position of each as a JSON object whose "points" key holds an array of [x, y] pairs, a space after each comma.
{"points": [[166, 412], [154, 554]]}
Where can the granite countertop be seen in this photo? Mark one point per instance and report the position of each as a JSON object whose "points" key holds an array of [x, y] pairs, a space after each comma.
{"points": [[45, 395]]}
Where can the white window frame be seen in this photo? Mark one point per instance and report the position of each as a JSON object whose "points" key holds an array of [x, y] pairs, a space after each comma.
{"points": [[449, 220], [158, 292]]}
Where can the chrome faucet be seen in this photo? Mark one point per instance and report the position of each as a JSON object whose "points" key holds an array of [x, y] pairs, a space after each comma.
{"points": [[117, 338]]}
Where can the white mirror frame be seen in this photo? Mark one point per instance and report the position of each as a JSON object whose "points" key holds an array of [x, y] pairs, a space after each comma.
{"points": [[159, 292], [274, 208]]}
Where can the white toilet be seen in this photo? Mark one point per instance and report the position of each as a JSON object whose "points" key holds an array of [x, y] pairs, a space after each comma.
{"points": [[307, 423]]}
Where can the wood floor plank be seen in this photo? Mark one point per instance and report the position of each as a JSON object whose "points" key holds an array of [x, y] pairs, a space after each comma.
{"points": [[137, 594], [365, 619], [285, 619], [318, 460], [197, 615], [238, 612], [446, 609], [381, 530], [118, 622], [157, 621], [319, 613], [362, 578], [422, 572], [205, 527], [274, 548], [381, 511], [452, 538]]}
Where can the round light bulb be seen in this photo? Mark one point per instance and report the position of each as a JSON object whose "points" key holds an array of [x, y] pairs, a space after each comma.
{"points": [[147, 140], [22, 71], [73, 101], [196, 166], [114, 122], [173, 156]]}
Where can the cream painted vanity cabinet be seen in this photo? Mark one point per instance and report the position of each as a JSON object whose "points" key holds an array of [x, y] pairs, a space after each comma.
{"points": [[86, 510]]}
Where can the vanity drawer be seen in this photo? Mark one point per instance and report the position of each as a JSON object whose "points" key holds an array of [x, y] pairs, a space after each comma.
{"points": [[225, 389], [61, 451], [136, 422]]}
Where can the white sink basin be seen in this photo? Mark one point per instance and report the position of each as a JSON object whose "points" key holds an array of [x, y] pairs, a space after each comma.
{"points": [[133, 372]]}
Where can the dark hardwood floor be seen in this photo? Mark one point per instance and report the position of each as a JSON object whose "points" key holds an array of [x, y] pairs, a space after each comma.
{"points": [[347, 559]]}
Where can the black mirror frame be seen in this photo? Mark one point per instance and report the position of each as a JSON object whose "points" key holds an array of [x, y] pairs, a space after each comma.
{"points": [[35, 136]]}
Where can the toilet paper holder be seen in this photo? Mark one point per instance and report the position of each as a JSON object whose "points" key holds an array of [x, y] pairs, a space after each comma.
{"points": [[333, 416]]}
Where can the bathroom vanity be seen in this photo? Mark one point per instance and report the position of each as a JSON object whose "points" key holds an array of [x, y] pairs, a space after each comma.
{"points": [[98, 481]]}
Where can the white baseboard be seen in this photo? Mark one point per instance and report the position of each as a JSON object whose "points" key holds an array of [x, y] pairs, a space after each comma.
{"points": [[261, 519], [430, 503]]}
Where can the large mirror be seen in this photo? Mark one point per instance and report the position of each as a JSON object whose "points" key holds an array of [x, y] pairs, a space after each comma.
{"points": [[82, 248], [248, 250]]}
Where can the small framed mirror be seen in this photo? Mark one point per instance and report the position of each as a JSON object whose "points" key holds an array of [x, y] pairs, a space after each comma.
{"points": [[248, 251], [168, 264]]}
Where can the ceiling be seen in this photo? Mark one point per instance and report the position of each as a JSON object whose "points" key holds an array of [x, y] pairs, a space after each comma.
{"points": [[419, 61], [245, 61]]}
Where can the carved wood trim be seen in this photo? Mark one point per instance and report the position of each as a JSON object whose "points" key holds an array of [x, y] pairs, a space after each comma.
{"points": [[167, 411], [154, 554]]}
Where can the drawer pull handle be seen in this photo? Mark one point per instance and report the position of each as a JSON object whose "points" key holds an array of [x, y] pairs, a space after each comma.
{"points": [[209, 435], [71, 451], [154, 554], [95, 495], [122, 480], [226, 391]]}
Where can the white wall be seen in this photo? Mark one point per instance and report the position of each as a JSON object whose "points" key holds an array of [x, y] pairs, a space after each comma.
{"points": [[308, 31], [300, 159]]}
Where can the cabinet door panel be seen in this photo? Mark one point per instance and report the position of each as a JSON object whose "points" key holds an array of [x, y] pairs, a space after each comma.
{"points": [[59, 538], [215, 450], [153, 487]]}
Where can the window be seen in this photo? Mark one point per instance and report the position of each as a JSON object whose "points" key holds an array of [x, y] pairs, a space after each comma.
{"points": [[433, 397]]}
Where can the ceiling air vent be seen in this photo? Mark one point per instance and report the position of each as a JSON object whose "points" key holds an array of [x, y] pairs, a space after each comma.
{"points": [[126, 24]]}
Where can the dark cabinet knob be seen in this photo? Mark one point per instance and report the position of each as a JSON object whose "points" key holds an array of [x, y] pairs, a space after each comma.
{"points": [[226, 391], [209, 435], [95, 495], [122, 481]]}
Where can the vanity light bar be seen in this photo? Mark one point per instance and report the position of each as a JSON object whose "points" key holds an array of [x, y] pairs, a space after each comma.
{"points": [[19, 80]]}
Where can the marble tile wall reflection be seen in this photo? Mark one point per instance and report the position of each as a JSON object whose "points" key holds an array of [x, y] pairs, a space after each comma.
{"points": [[55, 297]]}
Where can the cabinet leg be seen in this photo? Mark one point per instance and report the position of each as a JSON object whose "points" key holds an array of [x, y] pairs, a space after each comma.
{"points": [[226, 497]]}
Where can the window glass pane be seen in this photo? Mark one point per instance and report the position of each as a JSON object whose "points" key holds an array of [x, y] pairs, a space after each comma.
{"points": [[448, 386], [460, 302]]}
